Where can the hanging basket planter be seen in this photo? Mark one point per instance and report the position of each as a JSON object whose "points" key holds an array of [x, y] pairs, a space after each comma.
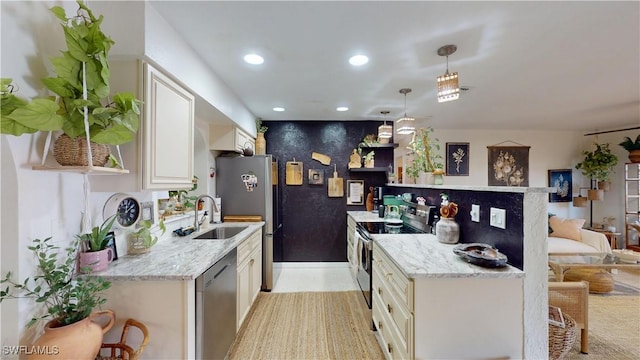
{"points": [[73, 152]]}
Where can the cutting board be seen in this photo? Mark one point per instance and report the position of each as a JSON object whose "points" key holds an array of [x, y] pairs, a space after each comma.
{"points": [[242, 218], [335, 183], [293, 173]]}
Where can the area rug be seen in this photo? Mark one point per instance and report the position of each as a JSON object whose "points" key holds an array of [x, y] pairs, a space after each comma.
{"points": [[307, 325], [614, 329]]}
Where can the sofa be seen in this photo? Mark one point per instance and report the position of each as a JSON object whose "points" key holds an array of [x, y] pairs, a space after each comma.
{"points": [[568, 236]]}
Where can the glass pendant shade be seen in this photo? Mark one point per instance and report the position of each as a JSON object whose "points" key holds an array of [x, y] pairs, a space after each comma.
{"points": [[385, 131], [448, 88], [405, 125]]}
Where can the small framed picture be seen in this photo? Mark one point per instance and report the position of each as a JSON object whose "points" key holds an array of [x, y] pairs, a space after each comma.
{"points": [[112, 244], [146, 211], [560, 179], [457, 161], [316, 177], [355, 192]]}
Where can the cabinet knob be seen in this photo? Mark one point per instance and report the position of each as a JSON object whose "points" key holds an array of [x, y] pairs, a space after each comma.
{"points": [[390, 348], [380, 325], [380, 291], [252, 261], [389, 308]]}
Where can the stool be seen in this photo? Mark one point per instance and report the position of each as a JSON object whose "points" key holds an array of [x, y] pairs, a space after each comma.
{"points": [[600, 281], [121, 350]]}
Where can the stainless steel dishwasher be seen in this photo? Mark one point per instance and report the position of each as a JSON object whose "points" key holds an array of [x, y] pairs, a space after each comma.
{"points": [[216, 298]]}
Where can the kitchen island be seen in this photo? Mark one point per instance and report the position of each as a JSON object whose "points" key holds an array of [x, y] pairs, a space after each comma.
{"points": [[158, 289]]}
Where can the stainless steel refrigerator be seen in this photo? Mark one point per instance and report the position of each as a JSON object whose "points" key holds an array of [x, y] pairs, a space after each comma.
{"points": [[246, 187]]}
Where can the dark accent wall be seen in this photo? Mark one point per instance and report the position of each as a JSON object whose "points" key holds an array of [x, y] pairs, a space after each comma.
{"points": [[508, 241], [314, 225]]}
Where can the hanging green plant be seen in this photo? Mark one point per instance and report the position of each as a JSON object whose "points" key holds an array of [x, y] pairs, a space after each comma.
{"points": [[88, 47], [598, 164]]}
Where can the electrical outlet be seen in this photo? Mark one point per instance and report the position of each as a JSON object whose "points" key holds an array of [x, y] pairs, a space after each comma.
{"points": [[475, 213], [498, 218]]}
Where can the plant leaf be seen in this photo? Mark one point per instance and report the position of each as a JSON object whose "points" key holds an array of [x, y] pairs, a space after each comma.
{"points": [[115, 135], [39, 114]]}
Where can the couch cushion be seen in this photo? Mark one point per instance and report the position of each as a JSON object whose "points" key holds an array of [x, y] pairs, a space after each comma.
{"points": [[566, 228], [563, 245]]}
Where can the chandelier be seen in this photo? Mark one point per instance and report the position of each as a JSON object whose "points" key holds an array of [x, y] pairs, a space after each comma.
{"points": [[448, 88], [405, 125], [384, 131]]}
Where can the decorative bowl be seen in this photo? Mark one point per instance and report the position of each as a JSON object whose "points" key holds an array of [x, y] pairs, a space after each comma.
{"points": [[481, 254]]}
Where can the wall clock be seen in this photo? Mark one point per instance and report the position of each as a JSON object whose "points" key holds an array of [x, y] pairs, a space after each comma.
{"points": [[127, 208]]}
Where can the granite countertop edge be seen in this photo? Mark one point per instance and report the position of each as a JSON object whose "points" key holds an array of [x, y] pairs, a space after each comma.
{"points": [[178, 258]]}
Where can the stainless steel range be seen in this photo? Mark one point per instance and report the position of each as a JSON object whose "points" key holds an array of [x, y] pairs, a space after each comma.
{"points": [[411, 224]]}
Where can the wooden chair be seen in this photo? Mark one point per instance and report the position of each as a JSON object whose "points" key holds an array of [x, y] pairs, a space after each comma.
{"points": [[573, 299], [121, 350]]}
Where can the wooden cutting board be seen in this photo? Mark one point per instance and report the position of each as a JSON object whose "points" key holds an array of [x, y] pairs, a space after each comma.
{"points": [[242, 218], [335, 183], [293, 173]]}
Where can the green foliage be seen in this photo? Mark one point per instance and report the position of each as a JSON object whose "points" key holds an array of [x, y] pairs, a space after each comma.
{"points": [[97, 240], [425, 149], [629, 144], [145, 233], [369, 156], [259, 127], [68, 298], [113, 124], [370, 140], [598, 164]]}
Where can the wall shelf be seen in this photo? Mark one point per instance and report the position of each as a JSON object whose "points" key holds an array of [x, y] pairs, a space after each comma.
{"points": [[373, 169], [374, 146], [93, 170]]}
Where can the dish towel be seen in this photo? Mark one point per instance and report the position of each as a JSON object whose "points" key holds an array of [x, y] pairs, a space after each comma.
{"points": [[355, 255]]}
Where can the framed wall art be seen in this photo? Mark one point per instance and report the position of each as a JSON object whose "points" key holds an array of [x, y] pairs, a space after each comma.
{"points": [[560, 179], [457, 161], [508, 165], [355, 192]]}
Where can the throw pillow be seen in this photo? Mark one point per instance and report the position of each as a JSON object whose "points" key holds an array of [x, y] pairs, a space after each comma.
{"points": [[566, 228]]}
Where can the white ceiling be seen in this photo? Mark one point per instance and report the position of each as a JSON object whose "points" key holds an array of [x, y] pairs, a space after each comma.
{"points": [[528, 65]]}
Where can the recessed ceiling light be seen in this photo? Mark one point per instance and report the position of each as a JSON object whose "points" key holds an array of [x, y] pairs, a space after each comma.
{"points": [[253, 59], [342, 108], [358, 60], [279, 109]]}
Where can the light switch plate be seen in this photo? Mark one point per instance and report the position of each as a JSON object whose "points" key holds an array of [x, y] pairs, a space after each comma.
{"points": [[498, 218], [475, 213]]}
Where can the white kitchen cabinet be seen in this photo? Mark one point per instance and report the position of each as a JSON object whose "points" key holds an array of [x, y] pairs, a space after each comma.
{"points": [[249, 275], [229, 138], [444, 317], [162, 154]]}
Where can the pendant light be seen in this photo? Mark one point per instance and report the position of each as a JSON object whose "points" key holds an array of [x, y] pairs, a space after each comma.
{"points": [[384, 131], [405, 125], [448, 88]]}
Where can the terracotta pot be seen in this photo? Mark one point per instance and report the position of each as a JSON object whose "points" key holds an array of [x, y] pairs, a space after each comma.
{"points": [[96, 260], [261, 144], [634, 156], [80, 340]]}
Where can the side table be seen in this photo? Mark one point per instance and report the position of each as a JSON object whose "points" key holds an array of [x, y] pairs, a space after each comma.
{"points": [[611, 236]]}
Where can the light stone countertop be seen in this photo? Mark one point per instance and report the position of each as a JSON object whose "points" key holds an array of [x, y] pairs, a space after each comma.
{"points": [[365, 216], [422, 255], [178, 258]]}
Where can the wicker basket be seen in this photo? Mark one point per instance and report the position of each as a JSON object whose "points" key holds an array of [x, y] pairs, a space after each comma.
{"points": [[73, 152], [561, 339]]}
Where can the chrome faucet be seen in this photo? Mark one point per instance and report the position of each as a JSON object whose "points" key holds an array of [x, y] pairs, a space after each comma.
{"points": [[196, 224]]}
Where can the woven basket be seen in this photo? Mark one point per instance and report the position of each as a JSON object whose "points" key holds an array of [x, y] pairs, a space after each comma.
{"points": [[73, 152], [561, 339]]}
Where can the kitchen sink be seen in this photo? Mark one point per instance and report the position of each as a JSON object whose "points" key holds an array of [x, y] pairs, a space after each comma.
{"points": [[221, 233]]}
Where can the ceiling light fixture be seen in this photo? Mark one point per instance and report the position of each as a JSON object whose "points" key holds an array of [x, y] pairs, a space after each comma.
{"points": [[358, 60], [253, 59], [448, 88], [384, 131], [342, 108], [278, 109], [405, 125]]}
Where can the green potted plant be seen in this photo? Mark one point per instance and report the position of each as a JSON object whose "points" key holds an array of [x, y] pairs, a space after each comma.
{"points": [[369, 160], [426, 159], [261, 142], [144, 238], [633, 147], [598, 165], [96, 254], [70, 301], [110, 121]]}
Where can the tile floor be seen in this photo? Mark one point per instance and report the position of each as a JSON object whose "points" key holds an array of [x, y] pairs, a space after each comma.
{"points": [[313, 276]]}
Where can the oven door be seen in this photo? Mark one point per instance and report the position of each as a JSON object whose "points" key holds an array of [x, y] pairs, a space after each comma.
{"points": [[363, 275]]}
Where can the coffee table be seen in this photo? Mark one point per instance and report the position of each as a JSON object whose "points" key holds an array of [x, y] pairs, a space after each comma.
{"points": [[560, 263]]}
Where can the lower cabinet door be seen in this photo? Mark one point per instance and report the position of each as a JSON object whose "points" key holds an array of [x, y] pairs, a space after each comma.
{"points": [[256, 275], [244, 297]]}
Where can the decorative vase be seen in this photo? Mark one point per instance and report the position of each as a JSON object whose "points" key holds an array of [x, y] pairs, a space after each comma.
{"points": [[136, 245], [80, 340], [438, 179], [447, 231], [261, 144], [73, 152], [96, 260], [634, 156], [369, 163]]}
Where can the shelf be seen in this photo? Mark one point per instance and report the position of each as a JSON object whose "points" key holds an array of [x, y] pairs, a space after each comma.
{"points": [[373, 169], [389, 146], [93, 170]]}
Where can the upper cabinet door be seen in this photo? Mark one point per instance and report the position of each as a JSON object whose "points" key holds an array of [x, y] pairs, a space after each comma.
{"points": [[167, 129]]}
